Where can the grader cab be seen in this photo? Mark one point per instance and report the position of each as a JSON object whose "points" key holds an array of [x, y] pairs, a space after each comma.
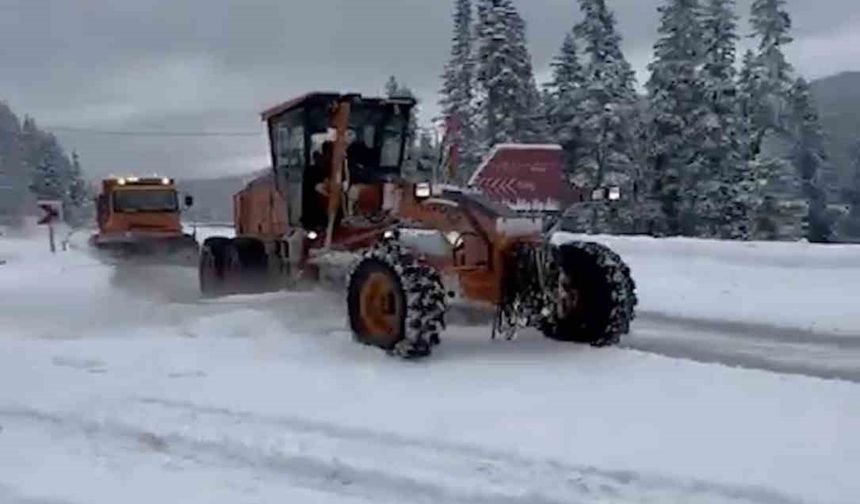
{"points": [[336, 194]]}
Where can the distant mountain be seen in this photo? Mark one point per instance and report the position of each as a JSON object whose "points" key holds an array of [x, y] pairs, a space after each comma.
{"points": [[838, 99], [213, 198]]}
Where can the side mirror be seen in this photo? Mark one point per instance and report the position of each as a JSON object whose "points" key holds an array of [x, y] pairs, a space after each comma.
{"points": [[189, 200]]}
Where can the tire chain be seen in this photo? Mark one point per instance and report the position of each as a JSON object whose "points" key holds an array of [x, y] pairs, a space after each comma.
{"points": [[426, 301]]}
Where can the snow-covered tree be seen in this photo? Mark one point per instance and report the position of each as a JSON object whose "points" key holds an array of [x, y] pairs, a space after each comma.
{"points": [[564, 93], [504, 75], [457, 101], [14, 178], [47, 162], [725, 187], [568, 77], [748, 84], [850, 225], [78, 199], [391, 87], [677, 114], [53, 175], [766, 84], [771, 71], [606, 116], [809, 157]]}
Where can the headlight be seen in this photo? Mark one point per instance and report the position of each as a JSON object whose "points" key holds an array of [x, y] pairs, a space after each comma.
{"points": [[614, 193], [423, 190], [165, 181], [313, 235], [133, 179], [121, 181]]}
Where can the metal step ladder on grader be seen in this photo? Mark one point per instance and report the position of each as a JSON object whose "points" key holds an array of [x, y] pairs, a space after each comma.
{"points": [[336, 197]]}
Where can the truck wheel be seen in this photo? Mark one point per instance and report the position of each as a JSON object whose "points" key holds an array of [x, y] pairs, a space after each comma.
{"points": [[595, 296], [211, 270], [250, 273], [396, 303]]}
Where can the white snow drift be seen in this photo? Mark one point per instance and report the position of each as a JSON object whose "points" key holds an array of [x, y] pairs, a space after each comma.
{"points": [[120, 385]]}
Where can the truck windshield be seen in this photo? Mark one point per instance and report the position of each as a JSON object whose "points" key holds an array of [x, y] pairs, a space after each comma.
{"points": [[130, 201]]}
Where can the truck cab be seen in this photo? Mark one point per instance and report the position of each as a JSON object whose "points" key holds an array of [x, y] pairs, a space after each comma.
{"points": [[140, 215]]}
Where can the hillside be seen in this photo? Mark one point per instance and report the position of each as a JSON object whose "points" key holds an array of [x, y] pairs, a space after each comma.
{"points": [[213, 198], [838, 99]]}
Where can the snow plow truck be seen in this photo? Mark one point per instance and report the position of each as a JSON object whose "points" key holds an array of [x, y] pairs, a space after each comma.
{"points": [[139, 218], [336, 199]]}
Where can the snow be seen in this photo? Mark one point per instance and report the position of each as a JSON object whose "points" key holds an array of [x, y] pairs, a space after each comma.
{"points": [[785, 285], [137, 391]]}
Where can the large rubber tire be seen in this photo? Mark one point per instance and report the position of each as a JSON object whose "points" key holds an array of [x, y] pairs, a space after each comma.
{"points": [[603, 293], [212, 266], [418, 304], [251, 272]]}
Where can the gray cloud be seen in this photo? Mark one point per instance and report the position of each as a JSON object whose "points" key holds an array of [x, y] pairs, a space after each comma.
{"points": [[212, 65]]}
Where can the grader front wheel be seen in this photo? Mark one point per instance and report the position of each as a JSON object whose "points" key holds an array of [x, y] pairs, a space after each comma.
{"points": [[595, 296]]}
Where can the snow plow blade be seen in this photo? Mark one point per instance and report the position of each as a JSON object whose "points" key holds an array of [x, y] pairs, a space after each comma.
{"points": [[180, 250]]}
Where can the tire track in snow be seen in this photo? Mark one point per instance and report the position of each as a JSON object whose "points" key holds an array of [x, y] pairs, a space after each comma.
{"points": [[751, 330], [364, 463], [802, 353], [9, 496]]}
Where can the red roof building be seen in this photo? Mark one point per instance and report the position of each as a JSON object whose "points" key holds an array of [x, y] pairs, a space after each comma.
{"points": [[526, 177]]}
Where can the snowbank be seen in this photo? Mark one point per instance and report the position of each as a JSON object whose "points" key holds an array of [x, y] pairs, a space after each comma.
{"points": [[152, 395], [791, 285]]}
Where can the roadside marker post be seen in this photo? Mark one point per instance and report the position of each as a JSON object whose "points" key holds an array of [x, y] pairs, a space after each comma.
{"points": [[52, 211]]}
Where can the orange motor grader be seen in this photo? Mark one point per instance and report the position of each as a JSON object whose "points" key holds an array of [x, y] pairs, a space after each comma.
{"points": [[336, 197]]}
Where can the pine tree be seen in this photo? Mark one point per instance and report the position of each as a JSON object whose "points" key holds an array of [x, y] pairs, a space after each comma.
{"points": [[749, 80], [606, 117], [771, 24], [53, 175], [809, 157], [457, 102], [392, 88], [564, 93], [77, 200], [850, 225], [13, 174], [767, 86], [724, 192], [504, 75], [677, 114], [46, 162]]}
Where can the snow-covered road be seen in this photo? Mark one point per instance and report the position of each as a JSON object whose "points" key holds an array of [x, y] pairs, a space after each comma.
{"points": [[120, 385]]}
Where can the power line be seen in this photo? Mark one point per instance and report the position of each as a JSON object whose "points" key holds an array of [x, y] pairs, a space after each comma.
{"points": [[89, 131]]}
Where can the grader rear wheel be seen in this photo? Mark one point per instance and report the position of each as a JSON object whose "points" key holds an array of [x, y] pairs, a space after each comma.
{"points": [[377, 305], [212, 267], [395, 302]]}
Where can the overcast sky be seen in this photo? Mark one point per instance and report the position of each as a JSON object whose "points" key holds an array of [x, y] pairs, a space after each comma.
{"points": [[213, 65]]}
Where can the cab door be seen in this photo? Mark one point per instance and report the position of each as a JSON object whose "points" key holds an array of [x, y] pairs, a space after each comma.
{"points": [[289, 145]]}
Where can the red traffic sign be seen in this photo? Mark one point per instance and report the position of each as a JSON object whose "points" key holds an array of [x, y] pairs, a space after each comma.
{"points": [[52, 211]]}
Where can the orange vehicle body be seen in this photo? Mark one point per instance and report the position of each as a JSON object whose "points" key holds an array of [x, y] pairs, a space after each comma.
{"points": [[259, 210], [262, 212], [140, 216], [336, 202]]}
